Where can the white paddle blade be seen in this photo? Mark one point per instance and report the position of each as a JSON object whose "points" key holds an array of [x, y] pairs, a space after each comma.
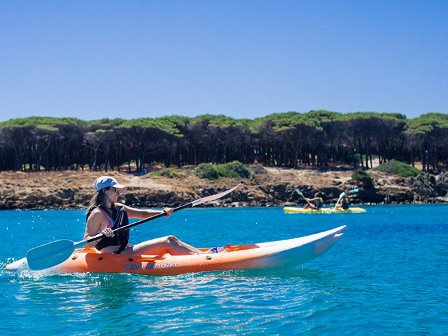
{"points": [[212, 198], [49, 255], [299, 192]]}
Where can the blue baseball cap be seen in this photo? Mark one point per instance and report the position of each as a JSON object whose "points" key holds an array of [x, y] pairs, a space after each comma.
{"points": [[107, 181]]}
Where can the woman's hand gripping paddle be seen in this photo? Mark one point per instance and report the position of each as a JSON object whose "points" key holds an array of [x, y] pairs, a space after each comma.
{"points": [[56, 252]]}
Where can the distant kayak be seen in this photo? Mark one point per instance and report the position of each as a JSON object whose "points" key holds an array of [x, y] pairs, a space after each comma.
{"points": [[237, 257], [322, 210]]}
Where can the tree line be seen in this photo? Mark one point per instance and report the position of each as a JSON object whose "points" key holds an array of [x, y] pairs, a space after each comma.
{"points": [[317, 138]]}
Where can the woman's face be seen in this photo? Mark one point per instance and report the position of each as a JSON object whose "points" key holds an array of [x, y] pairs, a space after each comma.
{"points": [[112, 194]]}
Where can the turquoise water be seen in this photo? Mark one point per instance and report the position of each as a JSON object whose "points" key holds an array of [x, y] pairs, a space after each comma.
{"points": [[388, 275]]}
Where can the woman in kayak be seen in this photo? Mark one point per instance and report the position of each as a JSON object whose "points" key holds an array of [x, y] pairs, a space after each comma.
{"points": [[343, 202], [105, 214], [314, 203]]}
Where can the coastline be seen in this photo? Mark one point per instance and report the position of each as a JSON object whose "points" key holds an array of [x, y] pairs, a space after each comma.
{"points": [[273, 187]]}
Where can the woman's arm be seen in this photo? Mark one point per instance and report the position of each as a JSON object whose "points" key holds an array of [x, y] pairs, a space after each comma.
{"points": [[93, 227]]}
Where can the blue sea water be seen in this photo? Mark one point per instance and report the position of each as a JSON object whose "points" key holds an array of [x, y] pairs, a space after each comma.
{"points": [[388, 275]]}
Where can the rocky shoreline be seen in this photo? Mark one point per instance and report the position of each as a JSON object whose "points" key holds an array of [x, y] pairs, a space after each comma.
{"points": [[273, 187]]}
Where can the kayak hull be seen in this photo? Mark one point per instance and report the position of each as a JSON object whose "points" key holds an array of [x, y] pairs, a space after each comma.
{"points": [[252, 256], [323, 210]]}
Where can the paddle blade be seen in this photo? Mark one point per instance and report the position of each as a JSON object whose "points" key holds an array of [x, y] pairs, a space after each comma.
{"points": [[299, 192], [49, 255], [213, 197]]}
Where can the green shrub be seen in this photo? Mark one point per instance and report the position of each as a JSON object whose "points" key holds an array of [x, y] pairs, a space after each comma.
{"points": [[206, 171], [398, 168], [169, 172], [362, 178], [213, 172], [233, 169]]}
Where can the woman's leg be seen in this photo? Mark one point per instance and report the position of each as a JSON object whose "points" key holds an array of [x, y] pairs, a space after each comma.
{"points": [[163, 245]]}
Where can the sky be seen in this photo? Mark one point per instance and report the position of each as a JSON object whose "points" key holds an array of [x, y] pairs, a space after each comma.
{"points": [[244, 59]]}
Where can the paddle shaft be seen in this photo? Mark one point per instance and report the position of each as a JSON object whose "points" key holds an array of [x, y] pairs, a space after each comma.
{"points": [[163, 213]]}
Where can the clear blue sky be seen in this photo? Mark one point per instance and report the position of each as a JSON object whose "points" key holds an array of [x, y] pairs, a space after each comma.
{"points": [[245, 59]]}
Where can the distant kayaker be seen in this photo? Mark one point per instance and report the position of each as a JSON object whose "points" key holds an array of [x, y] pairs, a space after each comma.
{"points": [[105, 214], [314, 203], [343, 202]]}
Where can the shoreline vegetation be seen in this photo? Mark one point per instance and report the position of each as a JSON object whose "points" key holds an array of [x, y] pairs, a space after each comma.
{"points": [[50, 163], [316, 139], [261, 186]]}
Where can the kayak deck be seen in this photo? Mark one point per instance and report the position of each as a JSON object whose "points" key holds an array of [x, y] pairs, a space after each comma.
{"points": [[323, 210], [249, 256]]}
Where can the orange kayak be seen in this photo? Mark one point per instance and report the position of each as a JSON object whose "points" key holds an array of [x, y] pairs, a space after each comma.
{"points": [[262, 255]]}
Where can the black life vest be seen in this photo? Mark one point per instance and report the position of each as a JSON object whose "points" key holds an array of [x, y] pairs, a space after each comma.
{"points": [[318, 203], [121, 238]]}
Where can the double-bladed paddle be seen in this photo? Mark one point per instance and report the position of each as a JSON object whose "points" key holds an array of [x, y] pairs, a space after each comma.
{"points": [[56, 252], [301, 194]]}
